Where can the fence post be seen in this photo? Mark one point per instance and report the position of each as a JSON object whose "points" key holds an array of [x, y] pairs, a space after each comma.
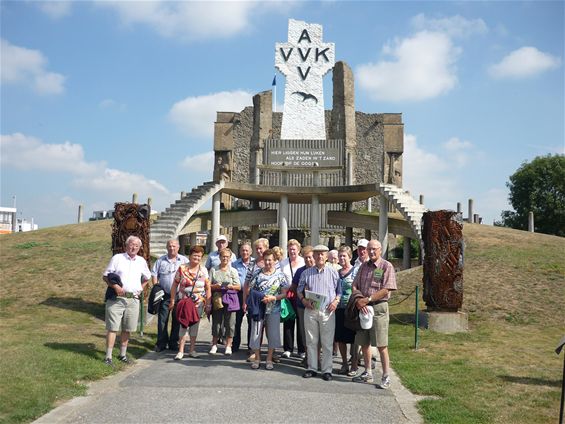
{"points": [[416, 319]]}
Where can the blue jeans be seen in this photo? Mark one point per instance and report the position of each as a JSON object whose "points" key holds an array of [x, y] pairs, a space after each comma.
{"points": [[163, 338]]}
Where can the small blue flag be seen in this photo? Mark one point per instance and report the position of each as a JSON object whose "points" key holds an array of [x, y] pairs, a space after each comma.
{"points": [[274, 81]]}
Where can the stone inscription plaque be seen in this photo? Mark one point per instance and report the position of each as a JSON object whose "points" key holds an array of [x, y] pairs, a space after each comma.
{"points": [[303, 157]]}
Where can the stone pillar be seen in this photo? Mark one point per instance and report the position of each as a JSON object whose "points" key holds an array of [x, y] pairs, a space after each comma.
{"points": [[182, 194], [235, 240], [184, 240], [254, 233], [283, 223], [215, 221], [79, 213], [315, 221], [149, 201], [458, 207], [406, 260], [470, 216], [531, 222], [421, 199], [383, 225], [349, 236], [134, 198], [262, 129]]}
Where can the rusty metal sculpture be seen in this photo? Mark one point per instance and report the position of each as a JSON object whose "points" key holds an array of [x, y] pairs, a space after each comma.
{"points": [[131, 219], [443, 261]]}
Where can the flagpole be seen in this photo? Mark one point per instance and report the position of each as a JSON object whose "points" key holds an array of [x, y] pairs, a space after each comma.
{"points": [[275, 90]]}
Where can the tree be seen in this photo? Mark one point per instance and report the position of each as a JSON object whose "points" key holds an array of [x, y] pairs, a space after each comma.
{"points": [[538, 186]]}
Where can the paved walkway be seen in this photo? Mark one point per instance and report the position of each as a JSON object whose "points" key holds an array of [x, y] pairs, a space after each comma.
{"points": [[220, 389]]}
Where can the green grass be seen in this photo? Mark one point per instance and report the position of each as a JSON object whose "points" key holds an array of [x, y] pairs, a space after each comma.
{"points": [[503, 370], [52, 330]]}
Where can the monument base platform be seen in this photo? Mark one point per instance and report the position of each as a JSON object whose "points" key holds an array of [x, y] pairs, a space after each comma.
{"points": [[445, 322]]}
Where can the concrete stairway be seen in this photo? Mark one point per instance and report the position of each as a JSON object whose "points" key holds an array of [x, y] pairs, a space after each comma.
{"points": [[409, 207], [175, 217]]}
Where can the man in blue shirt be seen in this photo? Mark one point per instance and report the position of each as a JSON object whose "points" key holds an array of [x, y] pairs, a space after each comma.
{"points": [[319, 292]]}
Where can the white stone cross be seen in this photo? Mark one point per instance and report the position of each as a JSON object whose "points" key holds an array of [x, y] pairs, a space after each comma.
{"points": [[304, 60]]}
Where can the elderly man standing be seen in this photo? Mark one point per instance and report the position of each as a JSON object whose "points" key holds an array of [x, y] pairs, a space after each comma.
{"points": [[122, 311], [163, 273], [375, 280], [319, 319], [242, 266], [214, 257], [362, 254]]}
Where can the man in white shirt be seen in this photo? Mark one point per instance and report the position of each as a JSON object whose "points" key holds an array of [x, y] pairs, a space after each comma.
{"points": [[122, 311]]}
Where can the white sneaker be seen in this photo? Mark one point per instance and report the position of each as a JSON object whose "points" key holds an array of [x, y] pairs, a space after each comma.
{"points": [[286, 354], [385, 382], [214, 349], [228, 351], [179, 356]]}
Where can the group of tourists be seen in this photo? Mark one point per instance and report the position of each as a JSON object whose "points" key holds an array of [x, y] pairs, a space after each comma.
{"points": [[319, 294]]}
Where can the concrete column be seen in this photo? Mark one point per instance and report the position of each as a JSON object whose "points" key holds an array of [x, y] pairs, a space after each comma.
{"points": [[370, 204], [349, 169], [184, 240], [383, 225], [476, 218], [349, 236], [254, 233], [257, 174], [421, 199], [149, 201], [235, 240], [283, 223], [316, 179], [315, 220], [80, 207], [406, 260], [134, 198], [458, 207], [215, 221], [531, 222], [470, 216]]}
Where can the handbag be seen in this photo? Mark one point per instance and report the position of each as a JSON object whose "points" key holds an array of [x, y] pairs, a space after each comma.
{"points": [[287, 311], [217, 303]]}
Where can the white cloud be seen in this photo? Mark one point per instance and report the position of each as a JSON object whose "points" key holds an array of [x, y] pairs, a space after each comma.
{"points": [[112, 104], [196, 115], [192, 20], [422, 67], [26, 66], [55, 9], [117, 181], [524, 62], [459, 150], [201, 163], [454, 26], [24, 152]]}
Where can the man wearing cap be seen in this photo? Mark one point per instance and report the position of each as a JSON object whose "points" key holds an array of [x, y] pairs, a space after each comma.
{"points": [[214, 257], [375, 280], [319, 319], [362, 254], [163, 273]]}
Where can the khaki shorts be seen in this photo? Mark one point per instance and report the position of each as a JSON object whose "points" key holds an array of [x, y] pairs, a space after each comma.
{"points": [[377, 335], [122, 313], [191, 331]]}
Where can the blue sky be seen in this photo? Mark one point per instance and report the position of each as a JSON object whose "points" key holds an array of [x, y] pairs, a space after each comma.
{"points": [[100, 99]]}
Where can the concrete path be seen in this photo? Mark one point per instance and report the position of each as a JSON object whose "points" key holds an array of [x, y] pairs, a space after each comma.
{"points": [[220, 389]]}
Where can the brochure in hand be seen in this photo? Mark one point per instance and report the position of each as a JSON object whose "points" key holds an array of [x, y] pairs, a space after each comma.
{"points": [[317, 299]]}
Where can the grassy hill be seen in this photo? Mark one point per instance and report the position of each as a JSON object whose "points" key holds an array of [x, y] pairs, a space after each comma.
{"points": [[503, 370]]}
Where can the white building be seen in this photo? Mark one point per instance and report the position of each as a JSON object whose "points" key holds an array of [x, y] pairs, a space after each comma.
{"points": [[10, 224]]}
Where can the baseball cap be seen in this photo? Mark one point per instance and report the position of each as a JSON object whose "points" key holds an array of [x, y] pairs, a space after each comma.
{"points": [[362, 243], [366, 320], [221, 238]]}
